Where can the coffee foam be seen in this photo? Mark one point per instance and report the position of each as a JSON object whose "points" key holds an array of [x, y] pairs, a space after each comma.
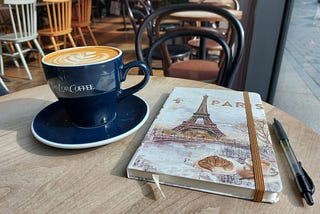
{"points": [[81, 56]]}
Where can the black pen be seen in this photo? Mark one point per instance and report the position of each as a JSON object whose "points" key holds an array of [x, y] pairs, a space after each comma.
{"points": [[302, 179]]}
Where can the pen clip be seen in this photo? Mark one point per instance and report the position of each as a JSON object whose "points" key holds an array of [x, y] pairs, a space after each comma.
{"points": [[311, 187]]}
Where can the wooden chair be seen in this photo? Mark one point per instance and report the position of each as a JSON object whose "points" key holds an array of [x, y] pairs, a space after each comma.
{"points": [[59, 19], [23, 16], [82, 19], [222, 72]]}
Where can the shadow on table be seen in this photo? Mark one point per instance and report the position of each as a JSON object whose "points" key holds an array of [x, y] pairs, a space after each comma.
{"points": [[120, 168], [21, 113]]}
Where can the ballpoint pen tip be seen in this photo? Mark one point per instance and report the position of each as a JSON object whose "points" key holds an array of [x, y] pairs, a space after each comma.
{"points": [[308, 198]]}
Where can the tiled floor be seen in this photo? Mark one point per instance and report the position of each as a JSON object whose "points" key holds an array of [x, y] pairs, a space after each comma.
{"points": [[298, 89]]}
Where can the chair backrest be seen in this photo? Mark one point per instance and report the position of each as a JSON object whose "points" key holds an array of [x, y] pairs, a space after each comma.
{"points": [[236, 44], [191, 31], [23, 18], [59, 14], [82, 12], [137, 10]]}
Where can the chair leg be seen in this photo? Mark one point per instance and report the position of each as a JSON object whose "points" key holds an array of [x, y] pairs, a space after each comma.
{"points": [[74, 34], [71, 40], [23, 59], [92, 36], [40, 41], [64, 41], [3, 85], [82, 36], [53, 40], [1, 66], [9, 49], [35, 41], [1, 61], [29, 44]]}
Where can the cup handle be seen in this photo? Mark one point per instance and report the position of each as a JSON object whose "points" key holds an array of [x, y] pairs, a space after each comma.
{"points": [[146, 72]]}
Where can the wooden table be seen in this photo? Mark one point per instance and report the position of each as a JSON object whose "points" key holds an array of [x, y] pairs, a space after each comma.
{"points": [[203, 16], [35, 178], [214, 2]]}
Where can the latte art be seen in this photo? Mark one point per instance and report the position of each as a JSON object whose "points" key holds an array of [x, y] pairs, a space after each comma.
{"points": [[81, 56]]}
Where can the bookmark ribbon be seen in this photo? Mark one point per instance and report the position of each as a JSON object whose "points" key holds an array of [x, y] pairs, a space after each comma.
{"points": [[156, 179], [256, 160]]}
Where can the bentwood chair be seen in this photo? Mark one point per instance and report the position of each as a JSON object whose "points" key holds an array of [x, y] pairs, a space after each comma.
{"points": [[137, 11], [211, 45], [23, 16], [221, 72], [59, 24], [81, 20]]}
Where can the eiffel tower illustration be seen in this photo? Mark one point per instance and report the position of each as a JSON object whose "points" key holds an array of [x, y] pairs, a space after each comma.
{"points": [[201, 114]]}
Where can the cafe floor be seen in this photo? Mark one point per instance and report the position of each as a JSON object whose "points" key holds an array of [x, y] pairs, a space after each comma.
{"points": [[297, 93]]}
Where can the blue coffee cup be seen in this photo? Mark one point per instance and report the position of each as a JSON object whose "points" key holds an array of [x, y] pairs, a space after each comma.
{"points": [[86, 80]]}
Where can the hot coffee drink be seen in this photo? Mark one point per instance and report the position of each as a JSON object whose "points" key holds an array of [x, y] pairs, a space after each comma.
{"points": [[86, 80], [81, 56]]}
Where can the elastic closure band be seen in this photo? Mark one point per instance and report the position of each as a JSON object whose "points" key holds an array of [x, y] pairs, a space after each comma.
{"points": [[256, 160]]}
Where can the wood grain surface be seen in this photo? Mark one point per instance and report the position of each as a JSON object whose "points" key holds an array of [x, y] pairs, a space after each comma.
{"points": [[35, 178]]}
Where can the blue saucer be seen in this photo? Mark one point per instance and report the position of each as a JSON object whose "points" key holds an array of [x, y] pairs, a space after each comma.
{"points": [[52, 125]]}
